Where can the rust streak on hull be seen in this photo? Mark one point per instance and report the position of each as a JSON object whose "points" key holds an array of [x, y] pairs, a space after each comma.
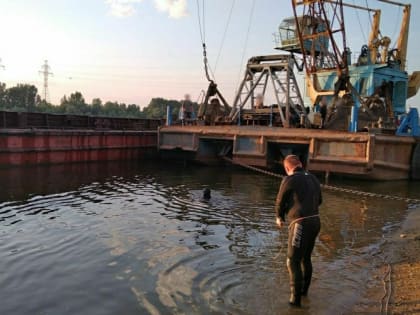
{"points": [[31, 146]]}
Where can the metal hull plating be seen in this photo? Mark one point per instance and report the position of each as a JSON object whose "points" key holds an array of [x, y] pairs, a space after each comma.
{"points": [[31, 146], [364, 155]]}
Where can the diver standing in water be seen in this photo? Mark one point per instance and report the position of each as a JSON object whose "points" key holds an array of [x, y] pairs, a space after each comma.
{"points": [[299, 197]]}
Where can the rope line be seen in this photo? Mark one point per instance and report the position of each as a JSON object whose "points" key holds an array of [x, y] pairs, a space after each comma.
{"points": [[331, 187], [387, 279], [387, 284]]}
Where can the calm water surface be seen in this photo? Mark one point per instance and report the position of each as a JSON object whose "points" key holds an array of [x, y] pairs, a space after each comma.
{"points": [[135, 238]]}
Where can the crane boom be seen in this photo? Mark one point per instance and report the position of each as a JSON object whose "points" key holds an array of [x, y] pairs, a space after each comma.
{"points": [[402, 42]]}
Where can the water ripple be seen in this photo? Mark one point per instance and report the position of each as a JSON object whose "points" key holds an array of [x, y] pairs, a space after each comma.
{"points": [[130, 239]]}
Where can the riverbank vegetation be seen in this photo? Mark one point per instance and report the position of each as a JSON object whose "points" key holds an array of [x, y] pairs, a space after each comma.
{"points": [[25, 98]]}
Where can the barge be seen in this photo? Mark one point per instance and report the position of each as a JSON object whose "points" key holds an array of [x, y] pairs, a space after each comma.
{"points": [[354, 120], [39, 138], [364, 155]]}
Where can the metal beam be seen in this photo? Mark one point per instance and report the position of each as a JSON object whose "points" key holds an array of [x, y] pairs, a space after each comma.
{"points": [[394, 3], [354, 6], [283, 120]]}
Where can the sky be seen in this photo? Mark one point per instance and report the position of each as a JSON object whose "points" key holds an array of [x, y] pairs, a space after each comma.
{"points": [[133, 50]]}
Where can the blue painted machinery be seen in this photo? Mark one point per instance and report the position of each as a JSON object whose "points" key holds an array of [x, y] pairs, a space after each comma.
{"points": [[410, 124]]}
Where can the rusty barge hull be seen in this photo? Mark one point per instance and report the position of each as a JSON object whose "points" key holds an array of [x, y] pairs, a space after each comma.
{"points": [[20, 147], [364, 155]]}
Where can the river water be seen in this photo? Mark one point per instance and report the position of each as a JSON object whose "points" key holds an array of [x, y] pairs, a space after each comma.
{"points": [[136, 238]]}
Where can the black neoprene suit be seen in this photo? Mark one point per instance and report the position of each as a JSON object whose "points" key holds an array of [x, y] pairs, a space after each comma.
{"points": [[299, 197]]}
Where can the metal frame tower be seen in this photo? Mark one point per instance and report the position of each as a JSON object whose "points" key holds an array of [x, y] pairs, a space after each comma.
{"points": [[275, 72], [45, 71], [322, 19]]}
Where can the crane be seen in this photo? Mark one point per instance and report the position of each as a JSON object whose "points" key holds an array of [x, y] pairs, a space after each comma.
{"points": [[318, 34]]}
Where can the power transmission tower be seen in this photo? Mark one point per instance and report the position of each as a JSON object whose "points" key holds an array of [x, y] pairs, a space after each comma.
{"points": [[45, 71], [2, 67]]}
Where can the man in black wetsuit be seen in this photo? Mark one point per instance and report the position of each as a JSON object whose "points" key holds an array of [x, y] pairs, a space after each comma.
{"points": [[299, 197]]}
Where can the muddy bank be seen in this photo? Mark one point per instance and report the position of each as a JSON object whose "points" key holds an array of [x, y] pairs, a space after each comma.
{"points": [[395, 287]]}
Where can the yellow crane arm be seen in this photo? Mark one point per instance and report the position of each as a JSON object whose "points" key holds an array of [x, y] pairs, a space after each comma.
{"points": [[374, 41], [402, 42]]}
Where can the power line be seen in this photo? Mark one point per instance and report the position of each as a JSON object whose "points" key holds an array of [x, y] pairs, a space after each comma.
{"points": [[45, 71]]}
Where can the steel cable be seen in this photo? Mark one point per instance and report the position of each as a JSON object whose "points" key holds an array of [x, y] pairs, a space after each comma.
{"points": [[251, 14], [224, 35], [331, 187]]}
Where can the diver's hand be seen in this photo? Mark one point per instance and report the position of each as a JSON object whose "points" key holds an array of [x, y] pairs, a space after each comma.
{"points": [[279, 222]]}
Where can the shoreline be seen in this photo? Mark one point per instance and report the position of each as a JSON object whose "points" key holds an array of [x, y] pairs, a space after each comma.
{"points": [[395, 287]]}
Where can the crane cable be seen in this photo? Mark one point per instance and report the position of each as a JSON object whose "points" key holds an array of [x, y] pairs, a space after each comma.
{"points": [[224, 35], [370, 18], [246, 40], [360, 23], [202, 27]]}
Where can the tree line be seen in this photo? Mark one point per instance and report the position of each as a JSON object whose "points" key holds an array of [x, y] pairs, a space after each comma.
{"points": [[25, 98]]}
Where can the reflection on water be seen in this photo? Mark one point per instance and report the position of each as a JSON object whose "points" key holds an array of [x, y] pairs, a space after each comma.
{"points": [[124, 238]]}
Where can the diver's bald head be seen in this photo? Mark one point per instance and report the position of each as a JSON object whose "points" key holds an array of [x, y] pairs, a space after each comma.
{"points": [[291, 162]]}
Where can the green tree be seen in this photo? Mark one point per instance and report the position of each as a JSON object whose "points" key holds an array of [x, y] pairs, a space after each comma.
{"points": [[157, 108], [112, 109], [75, 104], [3, 95], [45, 107], [134, 111], [96, 107], [22, 97]]}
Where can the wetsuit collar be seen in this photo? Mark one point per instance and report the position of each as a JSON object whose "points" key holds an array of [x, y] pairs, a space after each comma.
{"points": [[298, 170]]}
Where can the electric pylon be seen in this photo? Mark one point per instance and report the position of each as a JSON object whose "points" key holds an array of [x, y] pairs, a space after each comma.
{"points": [[45, 71]]}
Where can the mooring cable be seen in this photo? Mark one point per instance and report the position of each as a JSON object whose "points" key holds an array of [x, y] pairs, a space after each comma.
{"points": [[385, 301], [331, 187], [387, 288]]}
